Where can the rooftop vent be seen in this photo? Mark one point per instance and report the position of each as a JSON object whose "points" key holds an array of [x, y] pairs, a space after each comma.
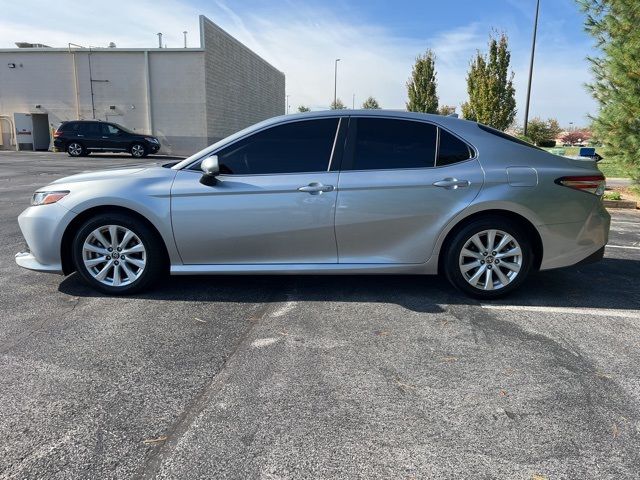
{"points": [[31, 45]]}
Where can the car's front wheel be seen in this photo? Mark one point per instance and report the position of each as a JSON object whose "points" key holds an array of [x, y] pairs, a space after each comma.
{"points": [[75, 149], [138, 150], [117, 254], [488, 258]]}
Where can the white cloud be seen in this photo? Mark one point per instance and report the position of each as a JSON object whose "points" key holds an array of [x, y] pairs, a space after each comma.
{"points": [[303, 42]]}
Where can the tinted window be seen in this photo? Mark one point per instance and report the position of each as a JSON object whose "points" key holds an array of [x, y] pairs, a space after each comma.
{"points": [[109, 129], [89, 128], [452, 149], [69, 127], [506, 136], [294, 147], [388, 143]]}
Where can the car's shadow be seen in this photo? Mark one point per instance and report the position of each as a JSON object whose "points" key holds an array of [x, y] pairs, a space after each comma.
{"points": [[611, 283]]}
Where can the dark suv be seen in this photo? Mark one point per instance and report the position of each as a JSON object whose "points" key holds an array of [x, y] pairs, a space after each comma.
{"points": [[81, 137]]}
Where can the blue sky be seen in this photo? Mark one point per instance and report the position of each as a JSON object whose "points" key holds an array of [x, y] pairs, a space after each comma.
{"points": [[376, 40]]}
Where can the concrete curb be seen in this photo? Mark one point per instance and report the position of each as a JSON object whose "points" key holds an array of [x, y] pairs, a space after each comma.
{"points": [[620, 204]]}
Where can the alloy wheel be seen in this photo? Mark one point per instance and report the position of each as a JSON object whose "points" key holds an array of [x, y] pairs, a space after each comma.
{"points": [[490, 259], [137, 150], [114, 255], [75, 149]]}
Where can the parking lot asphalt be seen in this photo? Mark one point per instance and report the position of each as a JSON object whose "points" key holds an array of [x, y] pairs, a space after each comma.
{"points": [[315, 377]]}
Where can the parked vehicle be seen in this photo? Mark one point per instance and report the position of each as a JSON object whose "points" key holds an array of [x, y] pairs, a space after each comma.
{"points": [[328, 193], [81, 137]]}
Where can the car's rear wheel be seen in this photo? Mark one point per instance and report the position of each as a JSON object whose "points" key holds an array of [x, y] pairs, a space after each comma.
{"points": [[75, 149], [488, 258], [117, 254], [138, 150]]}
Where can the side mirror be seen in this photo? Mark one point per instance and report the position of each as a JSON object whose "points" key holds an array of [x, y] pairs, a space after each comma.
{"points": [[210, 169]]}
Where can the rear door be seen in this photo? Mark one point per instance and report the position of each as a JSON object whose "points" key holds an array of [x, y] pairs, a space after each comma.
{"points": [[273, 203], [89, 134], [400, 183]]}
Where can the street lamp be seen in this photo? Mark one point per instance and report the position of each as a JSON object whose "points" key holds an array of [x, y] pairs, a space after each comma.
{"points": [[335, 83], [533, 54]]}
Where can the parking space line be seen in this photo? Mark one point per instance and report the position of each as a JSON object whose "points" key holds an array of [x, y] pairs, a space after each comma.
{"points": [[599, 312], [623, 246]]}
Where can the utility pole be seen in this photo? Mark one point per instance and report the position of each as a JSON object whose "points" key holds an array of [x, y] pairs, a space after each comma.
{"points": [[287, 103], [533, 54], [185, 38], [353, 102], [335, 83]]}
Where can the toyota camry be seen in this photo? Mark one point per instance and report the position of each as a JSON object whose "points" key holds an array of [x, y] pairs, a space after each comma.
{"points": [[349, 192]]}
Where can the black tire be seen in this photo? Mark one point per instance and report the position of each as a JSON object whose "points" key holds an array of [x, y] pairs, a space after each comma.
{"points": [[138, 150], [75, 149], [451, 263], [156, 262]]}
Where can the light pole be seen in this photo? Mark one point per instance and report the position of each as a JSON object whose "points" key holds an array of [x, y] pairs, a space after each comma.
{"points": [[533, 54], [287, 103], [335, 83]]}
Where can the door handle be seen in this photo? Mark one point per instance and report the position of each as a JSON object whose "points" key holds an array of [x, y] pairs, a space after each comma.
{"points": [[80, 135], [105, 137], [451, 183], [316, 188]]}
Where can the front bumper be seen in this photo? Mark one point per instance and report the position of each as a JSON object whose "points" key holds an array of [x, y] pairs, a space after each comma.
{"points": [[29, 261], [42, 228], [153, 147]]}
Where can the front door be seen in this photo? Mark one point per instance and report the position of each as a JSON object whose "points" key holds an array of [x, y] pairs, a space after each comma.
{"points": [[273, 203], [401, 182], [112, 138]]}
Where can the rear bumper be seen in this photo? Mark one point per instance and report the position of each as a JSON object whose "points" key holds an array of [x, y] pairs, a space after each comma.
{"points": [[568, 244]]}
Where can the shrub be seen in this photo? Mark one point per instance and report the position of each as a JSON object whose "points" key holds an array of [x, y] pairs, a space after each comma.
{"points": [[547, 143]]}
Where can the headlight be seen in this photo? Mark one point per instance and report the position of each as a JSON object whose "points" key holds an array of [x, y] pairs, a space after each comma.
{"points": [[151, 139], [45, 198]]}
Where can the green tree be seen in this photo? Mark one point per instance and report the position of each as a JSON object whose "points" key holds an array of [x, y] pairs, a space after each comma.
{"points": [[303, 108], [616, 84], [371, 104], [492, 98], [422, 86], [337, 105], [446, 110], [542, 131]]}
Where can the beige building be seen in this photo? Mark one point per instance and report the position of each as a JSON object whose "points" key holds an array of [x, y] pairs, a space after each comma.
{"points": [[187, 97]]}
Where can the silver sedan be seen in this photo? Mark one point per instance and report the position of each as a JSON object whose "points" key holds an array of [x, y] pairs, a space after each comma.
{"points": [[351, 192]]}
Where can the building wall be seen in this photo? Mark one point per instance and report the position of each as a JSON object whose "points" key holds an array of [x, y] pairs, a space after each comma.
{"points": [[176, 90], [242, 88]]}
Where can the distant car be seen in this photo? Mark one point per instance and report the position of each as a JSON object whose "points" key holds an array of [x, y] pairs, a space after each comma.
{"points": [[81, 137], [335, 192]]}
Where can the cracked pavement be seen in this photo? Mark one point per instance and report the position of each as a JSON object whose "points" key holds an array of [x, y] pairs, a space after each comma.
{"points": [[315, 377]]}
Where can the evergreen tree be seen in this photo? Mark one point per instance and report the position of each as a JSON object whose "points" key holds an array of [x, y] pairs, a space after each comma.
{"points": [[616, 85], [421, 87], [490, 86], [371, 104]]}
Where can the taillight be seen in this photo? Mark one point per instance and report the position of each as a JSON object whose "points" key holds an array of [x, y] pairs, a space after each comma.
{"points": [[57, 133], [594, 184]]}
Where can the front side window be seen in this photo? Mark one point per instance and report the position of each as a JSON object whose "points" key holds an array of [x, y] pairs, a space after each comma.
{"points": [[382, 144], [452, 150], [109, 129], [303, 146]]}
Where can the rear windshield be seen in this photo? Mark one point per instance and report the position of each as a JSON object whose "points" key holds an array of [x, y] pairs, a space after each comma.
{"points": [[506, 136]]}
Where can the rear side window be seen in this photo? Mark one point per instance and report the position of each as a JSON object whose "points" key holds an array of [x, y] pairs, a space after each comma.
{"points": [[89, 128], [69, 127], [506, 136], [392, 144], [290, 148], [452, 150]]}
